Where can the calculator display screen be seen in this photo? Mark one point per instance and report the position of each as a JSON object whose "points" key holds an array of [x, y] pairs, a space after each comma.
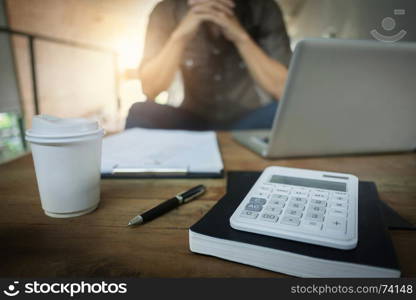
{"points": [[310, 183]]}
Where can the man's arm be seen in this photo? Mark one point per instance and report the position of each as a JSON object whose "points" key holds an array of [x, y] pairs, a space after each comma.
{"points": [[269, 73], [158, 72]]}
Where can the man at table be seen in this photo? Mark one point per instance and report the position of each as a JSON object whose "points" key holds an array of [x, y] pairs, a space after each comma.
{"points": [[233, 56]]}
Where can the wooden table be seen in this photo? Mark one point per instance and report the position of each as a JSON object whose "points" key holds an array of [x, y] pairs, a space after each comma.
{"points": [[100, 244]]}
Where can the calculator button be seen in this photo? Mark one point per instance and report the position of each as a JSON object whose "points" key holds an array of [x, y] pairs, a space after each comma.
{"points": [[297, 205], [335, 224], [338, 204], [265, 189], [314, 216], [256, 200], [339, 198], [312, 225], [288, 220], [279, 203], [319, 195], [274, 209], [249, 214], [293, 212], [262, 194], [300, 193], [316, 209], [337, 212], [299, 199], [340, 193], [269, 217], [254, 207], [282, 190], [318, 202], [279, 197]]}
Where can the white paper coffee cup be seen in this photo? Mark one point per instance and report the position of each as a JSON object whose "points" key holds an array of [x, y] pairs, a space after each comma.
{"points": [[67, 158]]}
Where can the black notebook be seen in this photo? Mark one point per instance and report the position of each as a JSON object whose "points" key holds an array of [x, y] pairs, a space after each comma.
{"points": [[374, 255]]}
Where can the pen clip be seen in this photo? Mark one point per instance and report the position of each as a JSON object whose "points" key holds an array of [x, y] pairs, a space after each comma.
{"points": [[191, 194]]}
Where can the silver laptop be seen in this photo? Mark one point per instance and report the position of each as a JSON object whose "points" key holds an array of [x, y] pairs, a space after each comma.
{"points": [[343, 97]]}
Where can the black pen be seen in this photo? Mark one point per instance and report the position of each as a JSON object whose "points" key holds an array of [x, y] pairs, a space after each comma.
{"points": [[168, 205]]}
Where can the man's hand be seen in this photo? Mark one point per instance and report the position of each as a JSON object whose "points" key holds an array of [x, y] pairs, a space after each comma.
{"points": [[199, 12], [187, 28], [220, 13], [230, 27]]}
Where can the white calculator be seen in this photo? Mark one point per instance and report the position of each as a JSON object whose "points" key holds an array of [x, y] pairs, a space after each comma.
{"points": [[308, 206]]}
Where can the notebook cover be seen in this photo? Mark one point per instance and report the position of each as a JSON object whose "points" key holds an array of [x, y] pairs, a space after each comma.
{"points": [[374, 244], [393, 220]]}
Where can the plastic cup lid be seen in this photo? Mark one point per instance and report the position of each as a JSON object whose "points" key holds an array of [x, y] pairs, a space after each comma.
{"points": [[46, 126]]}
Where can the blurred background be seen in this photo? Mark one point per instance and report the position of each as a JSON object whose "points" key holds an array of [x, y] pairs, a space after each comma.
{"points": [[77, 58]]}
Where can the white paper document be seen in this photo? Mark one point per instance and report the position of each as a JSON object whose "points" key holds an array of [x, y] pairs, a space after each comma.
{"points": [[154, 149]]}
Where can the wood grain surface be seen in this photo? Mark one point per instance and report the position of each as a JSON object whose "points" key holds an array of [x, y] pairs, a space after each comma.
{"points": [[100, 244]]}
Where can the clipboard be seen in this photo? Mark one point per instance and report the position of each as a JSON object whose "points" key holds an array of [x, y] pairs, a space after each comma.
{"points": [[127, 173], [154, 153]]}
